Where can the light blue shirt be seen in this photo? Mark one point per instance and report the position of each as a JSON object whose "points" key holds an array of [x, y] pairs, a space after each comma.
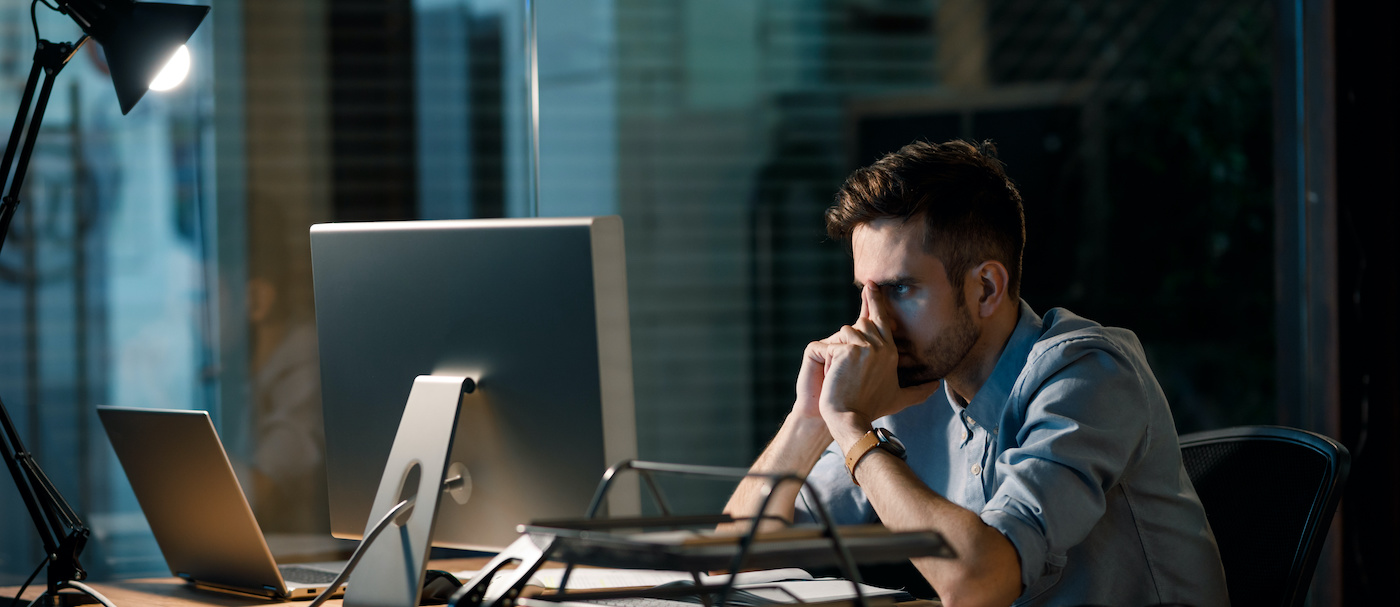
{"points": [[1068, 449]]}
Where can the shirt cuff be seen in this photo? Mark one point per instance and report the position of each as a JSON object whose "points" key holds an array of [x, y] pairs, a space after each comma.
{"points": [[1026, 538]]}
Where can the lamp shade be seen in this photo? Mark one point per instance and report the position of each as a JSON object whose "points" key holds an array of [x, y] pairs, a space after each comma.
{"points": [[138, 39]]}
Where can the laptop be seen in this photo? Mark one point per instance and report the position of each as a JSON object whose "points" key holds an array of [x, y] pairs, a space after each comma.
{"points": [[201, 519]]}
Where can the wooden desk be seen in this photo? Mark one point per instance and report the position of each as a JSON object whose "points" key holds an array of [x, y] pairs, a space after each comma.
{"points": [[174, 592]]}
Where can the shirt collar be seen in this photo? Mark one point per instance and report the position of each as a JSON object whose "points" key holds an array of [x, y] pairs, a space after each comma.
{"points": [[990, 400]]}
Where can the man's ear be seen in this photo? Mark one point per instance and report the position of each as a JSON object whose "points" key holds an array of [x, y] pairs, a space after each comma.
{"points": [[989, 283]]}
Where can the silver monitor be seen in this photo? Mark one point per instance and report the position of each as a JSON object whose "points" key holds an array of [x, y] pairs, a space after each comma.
{"points": [[535, 310]]}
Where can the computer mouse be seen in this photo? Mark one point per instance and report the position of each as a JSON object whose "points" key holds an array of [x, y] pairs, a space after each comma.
{"points": [[438, 586]]}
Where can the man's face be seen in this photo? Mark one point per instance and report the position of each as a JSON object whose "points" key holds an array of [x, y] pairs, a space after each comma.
{"points": [[932, 329]]}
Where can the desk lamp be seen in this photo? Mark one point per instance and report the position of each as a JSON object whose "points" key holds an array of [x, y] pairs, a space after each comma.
{"points": [[144, 45]]}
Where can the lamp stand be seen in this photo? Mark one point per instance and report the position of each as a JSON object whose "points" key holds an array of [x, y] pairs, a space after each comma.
{"points": [[418, 467], [63, 533]]}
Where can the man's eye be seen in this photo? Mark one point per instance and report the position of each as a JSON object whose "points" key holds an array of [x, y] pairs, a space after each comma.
{"points": [[899, 289]]}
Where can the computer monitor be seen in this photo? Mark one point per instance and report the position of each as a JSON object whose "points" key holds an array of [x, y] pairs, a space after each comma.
{"points": [[534, 310]]}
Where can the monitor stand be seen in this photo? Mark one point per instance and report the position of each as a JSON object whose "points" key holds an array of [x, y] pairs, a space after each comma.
{"points": [[390, 573]]}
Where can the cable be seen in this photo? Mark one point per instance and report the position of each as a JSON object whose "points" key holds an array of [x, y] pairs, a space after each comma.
{"points": [[360, 551], [29, 581], [85, 589], [80, 587], [34, 18]]}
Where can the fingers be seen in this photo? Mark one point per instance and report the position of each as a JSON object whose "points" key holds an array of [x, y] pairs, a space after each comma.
{"points": [[872, 305], [809, 382], [862, 336], [851, 334], [816, 353]]}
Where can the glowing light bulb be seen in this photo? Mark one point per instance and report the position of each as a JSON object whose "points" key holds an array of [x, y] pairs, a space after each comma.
{"points": [[174, 71]]}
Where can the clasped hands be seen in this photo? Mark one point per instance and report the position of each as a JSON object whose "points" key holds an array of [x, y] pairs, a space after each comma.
{"points": [[852, 378]]}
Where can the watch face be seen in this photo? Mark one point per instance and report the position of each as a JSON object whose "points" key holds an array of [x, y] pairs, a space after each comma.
{"points": [[890, 442]]}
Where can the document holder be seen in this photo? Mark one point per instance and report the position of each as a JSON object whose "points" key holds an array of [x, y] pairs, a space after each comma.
{"points": [[688, 543]]}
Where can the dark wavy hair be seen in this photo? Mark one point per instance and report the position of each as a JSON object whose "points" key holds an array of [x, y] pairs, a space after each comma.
{"points": [[971, 211]]}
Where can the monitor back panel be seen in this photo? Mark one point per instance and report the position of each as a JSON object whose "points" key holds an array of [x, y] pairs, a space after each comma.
{"points": [[510, 303]]}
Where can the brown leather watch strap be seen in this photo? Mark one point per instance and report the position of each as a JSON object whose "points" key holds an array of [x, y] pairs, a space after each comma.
{"points": [[858, 451]]}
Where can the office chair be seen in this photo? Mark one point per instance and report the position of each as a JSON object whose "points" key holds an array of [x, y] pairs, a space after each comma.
{"points": [[1269, 493]]}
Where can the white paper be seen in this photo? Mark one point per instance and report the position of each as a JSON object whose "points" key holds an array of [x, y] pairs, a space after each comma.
{"points": [[584, 578], [779, 585], [813, 591], [592, 579]]}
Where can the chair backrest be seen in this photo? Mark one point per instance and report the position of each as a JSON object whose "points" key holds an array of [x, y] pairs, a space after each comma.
{"points": [[1269, 493]]}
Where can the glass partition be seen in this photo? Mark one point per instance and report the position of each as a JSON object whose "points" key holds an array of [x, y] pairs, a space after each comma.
{"points": [[1139, 134]]}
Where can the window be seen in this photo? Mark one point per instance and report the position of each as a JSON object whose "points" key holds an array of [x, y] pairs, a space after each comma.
{"points": [[142, 265]]}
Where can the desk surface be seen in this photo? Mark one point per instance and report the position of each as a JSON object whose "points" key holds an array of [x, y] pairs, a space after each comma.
{"points": [[174, 592]]}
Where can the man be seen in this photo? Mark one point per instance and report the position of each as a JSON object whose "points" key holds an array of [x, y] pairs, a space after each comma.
{"points": [[1042, 449]]}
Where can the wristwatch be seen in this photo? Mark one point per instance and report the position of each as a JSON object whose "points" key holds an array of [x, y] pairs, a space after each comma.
{"points": [[878, 438]]}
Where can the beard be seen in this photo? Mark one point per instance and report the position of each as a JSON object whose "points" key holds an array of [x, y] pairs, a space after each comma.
{"points": [[943, 355]]}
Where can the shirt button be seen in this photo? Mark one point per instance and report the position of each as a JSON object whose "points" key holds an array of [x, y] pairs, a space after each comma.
{"points": [[964, 435], [976, 469]]}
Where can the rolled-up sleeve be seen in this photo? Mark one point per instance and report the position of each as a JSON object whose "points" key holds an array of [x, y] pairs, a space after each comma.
{"points": [[1084, 424], [831, 483]]}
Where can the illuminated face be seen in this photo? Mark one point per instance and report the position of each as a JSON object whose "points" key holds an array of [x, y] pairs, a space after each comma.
{"points": [[933, 330]]}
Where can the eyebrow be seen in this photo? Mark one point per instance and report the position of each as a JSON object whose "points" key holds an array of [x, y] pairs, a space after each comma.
{"points": [[889, 282]]}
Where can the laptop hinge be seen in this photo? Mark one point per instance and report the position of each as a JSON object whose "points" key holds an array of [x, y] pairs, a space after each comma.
{"points": [[269, 591]]}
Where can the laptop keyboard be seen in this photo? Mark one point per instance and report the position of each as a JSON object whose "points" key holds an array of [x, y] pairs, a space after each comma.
{"points": [[306, 575]]}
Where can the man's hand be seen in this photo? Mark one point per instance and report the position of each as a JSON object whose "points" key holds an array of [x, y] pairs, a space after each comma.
{"points": [[846, 381], [809, 383], [851, 378]]}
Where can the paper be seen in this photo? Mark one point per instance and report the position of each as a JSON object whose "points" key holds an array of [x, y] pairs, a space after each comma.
{"points": [[764, 576], [816, 591], [498, 583], [585, 578], [779, 585], [591, 579]]}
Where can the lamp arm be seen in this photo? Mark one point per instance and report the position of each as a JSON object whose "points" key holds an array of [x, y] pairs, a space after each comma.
{"points": [[10, 202], [49, 58], [63, 533]]}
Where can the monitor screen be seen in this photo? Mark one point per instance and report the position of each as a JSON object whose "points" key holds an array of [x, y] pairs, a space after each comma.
{"points": [[534, 310]]}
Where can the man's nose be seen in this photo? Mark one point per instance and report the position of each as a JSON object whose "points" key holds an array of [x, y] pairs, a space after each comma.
{"points": [[893, 324]]}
